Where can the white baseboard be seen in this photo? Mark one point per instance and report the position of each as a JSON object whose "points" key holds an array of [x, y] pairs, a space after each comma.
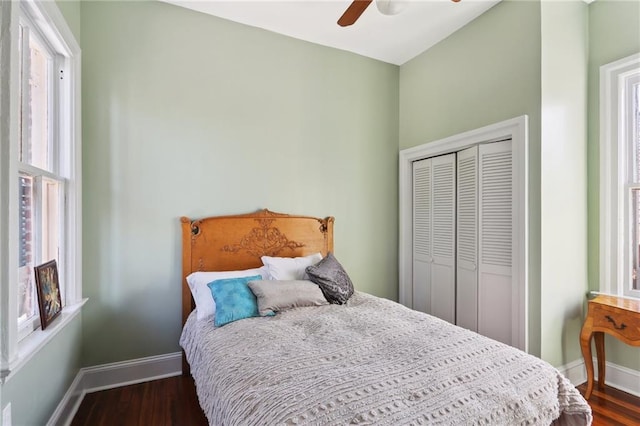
{"points": [[575, 372], [623, 378], [130, 372], [619, 377], [108, 376], [69, 404]]}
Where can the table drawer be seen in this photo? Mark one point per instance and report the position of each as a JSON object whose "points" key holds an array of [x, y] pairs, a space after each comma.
{"points": [[618, 321]]}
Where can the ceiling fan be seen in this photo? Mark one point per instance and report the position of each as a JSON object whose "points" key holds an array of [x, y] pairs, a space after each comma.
{"points": [[357, 7]]}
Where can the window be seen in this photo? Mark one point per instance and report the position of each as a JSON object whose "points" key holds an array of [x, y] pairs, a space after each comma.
{"points": [[39, 170], [620, 177], [41, 174]]}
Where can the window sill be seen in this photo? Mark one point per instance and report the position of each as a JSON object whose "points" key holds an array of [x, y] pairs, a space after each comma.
{"points": [[33, 343]]}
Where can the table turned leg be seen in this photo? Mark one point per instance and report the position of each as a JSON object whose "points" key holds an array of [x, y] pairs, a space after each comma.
{"points": [[585, 345], [599, 339]]}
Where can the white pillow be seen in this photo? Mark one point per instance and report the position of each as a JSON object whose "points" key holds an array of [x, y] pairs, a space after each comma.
{"points": [[289, 268], [205, 305]]}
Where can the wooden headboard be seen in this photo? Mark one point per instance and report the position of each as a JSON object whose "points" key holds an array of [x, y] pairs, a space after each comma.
{"points": [[227, 243]]}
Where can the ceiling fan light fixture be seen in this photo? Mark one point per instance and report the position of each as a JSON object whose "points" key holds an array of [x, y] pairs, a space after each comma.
{"points": [[391, 7]]}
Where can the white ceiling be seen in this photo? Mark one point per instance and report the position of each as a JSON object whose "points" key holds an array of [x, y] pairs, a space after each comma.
{"points": [[393, 39]]}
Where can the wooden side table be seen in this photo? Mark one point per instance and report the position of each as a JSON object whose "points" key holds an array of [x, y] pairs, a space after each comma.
{"points": [[617, 316]]}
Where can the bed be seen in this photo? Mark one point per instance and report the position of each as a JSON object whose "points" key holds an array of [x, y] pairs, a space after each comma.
{"points": [[368, 361]]}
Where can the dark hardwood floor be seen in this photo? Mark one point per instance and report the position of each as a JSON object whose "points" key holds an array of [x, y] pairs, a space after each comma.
{"points": [[612, 407], [173, 401]]}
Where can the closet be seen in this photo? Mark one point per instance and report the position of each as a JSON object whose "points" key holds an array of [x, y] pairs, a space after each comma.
{"points": [[463, 238]]}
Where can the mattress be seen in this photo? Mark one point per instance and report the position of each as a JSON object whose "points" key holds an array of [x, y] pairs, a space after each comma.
{"points": [[370, 361]]}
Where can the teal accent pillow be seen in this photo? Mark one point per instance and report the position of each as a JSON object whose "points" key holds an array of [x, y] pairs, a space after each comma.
{"points": [[234, 300]]}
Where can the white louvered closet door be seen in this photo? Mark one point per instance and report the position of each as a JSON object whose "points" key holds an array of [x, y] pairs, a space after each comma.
{"points": [[467, 240], [422, 256], [434, 188], [443, 273], [495, 221], [463, 240]]}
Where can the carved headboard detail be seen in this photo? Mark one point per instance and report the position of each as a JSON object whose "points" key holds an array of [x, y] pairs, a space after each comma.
{"points": [[264, 240]]}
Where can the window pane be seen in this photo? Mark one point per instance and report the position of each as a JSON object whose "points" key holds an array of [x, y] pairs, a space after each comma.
{"points": [[635, 239], [635, 193], [635, 116], [23, 144], [50, 219], [36, 69], [26, 288]]}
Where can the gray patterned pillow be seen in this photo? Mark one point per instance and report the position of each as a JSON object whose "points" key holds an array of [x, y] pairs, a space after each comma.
{"points": [[275, 296], [332, 279]]}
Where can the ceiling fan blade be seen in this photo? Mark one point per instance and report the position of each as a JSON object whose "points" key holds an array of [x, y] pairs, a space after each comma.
{"points": [[353, 12]]}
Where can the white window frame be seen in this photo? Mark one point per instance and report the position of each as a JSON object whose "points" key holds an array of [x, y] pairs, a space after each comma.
{"points": [[54, 168], [615, 253], [15, 353]]}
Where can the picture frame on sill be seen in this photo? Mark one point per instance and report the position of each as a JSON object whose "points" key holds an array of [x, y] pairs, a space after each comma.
{"points": [[48, 289]]}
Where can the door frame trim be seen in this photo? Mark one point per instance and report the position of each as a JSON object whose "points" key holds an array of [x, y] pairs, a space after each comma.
{"points": [[517, 130]]}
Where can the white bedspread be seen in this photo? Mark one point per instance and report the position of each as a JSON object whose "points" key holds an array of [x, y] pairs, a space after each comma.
{"points": [[371, 361]]}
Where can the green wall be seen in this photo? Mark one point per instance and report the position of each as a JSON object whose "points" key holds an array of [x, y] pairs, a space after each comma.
{"points": [[71, 11], [187, 114], [37, 388], [486, 72], [614, 33], [563, 178]]}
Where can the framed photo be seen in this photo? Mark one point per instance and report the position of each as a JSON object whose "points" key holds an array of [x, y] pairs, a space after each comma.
{"points": [[48, 288]]}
